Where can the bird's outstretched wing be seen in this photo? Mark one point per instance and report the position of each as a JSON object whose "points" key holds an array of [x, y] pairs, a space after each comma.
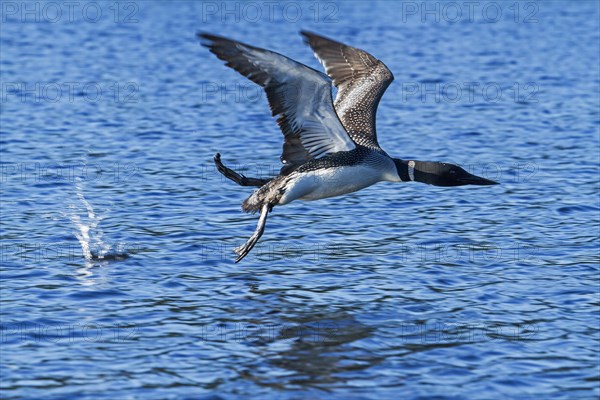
{"points": [[300, 95], [361, 80]]}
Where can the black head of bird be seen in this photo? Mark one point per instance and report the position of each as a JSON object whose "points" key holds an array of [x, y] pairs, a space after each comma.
{"points": [[439, 173]]}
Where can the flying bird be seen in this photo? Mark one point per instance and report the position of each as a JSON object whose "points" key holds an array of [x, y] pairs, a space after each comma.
{"points": [[330, 147]]}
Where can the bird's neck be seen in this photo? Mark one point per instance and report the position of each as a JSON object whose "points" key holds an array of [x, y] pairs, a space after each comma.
{"points": [[418, 171]]}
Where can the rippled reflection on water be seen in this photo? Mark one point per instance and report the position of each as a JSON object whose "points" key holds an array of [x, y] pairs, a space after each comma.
{"points": [[117, 270]]}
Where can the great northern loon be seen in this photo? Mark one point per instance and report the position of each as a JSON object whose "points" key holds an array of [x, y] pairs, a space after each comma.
{"points": [[330, 147]]}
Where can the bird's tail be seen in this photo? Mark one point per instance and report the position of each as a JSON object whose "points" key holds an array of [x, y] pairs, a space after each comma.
{"points": [[269, 195]]}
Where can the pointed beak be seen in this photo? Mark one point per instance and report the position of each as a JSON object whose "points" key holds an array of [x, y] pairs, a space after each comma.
{"points": [[476, 180]]}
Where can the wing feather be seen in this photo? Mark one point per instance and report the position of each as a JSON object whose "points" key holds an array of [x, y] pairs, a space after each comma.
{"points": [[299, 95], [361, 80]]}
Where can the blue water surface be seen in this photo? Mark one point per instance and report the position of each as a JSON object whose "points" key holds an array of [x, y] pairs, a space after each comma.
{"points": [[118, 278]]}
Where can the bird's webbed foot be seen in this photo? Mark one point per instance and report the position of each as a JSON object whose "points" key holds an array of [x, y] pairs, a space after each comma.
{"points": [[240, 179], [244, 249]]}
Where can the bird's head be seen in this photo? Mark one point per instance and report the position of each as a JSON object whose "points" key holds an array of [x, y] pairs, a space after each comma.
{"points": [[439, 173], [453, 175]]}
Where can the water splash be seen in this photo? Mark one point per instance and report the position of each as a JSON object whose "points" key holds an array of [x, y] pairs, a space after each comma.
{"points": [[87, 231]]}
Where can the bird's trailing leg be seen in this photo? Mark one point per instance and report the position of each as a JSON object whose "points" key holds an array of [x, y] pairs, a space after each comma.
{"points": [[244, 249], [240, 179]]}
